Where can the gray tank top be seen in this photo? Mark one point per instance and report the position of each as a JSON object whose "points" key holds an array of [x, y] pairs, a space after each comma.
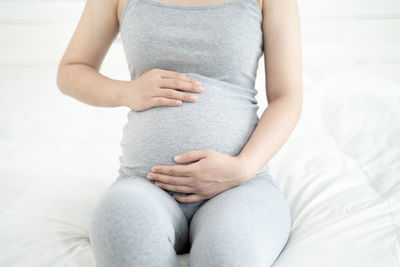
{"points": [[218, 44]]}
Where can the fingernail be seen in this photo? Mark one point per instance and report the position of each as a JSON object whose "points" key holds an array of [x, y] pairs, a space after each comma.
{"points": [[197, 82], [178, 157]]}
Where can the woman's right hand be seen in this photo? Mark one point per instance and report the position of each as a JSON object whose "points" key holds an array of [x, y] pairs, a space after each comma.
{"points": [[159, 87]]}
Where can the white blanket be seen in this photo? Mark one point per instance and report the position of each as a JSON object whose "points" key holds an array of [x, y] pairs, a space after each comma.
{"points": [[340, 171]]}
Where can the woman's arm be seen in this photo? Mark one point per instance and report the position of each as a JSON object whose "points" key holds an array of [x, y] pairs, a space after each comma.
{"points": [[282, 57], [78, 72]]}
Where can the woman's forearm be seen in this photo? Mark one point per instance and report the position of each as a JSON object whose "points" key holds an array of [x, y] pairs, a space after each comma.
{"points": [[87, 85], [273, 129]]}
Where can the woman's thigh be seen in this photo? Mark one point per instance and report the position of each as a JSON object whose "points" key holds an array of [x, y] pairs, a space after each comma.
{"points": [[247, 225], [136, 223]]}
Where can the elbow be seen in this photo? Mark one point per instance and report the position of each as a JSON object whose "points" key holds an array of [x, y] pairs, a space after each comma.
{"points": [[60, 78], [299, 103], [295, 102]]}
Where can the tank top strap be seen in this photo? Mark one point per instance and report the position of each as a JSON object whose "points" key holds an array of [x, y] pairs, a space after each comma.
{"points": [[250, 5]]}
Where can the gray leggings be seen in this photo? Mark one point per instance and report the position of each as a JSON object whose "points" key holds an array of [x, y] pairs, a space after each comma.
{"points": [[136, 223]]}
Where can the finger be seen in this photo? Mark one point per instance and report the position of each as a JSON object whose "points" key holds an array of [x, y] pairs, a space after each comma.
{"points": [[188, 198], [167, 74], [171, 93], [174, 170], [163, 101], [193, 155], [178, 84], [173, 180], [175, 188]]}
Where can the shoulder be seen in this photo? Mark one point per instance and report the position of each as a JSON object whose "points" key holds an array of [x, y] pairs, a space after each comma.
{"points": [[260, 3], [119, 4]]}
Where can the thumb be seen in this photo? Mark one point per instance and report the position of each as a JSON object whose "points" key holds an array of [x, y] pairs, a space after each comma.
{"points": [[192, 155]]}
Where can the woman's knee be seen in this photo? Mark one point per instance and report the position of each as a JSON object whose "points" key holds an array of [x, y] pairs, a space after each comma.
{"points": [[223, 248], [129, 211], [246, 226], [132, 204], [123, 219]]}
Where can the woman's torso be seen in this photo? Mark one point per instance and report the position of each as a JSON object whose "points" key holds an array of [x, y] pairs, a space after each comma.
{"points": [[218, 44]]}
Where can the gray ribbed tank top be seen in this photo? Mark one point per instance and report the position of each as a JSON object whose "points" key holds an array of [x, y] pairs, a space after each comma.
{"points": [[218, 44]]}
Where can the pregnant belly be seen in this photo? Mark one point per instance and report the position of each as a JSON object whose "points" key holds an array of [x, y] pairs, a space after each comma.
{"points": [[222, 119]]}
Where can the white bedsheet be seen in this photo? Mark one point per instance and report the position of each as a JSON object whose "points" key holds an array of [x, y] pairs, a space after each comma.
{"points": [[340, 171]]}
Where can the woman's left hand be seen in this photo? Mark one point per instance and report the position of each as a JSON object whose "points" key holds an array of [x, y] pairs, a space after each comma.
{"points": [[213, 173]]}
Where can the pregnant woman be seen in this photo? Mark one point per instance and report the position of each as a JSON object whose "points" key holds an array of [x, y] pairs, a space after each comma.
{"points": [[194, 175]]}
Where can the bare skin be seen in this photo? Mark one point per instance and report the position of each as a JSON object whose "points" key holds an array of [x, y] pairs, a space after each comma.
{"points": [[213, 172]]}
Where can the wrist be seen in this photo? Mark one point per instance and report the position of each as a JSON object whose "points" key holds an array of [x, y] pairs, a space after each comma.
{"points": [[245, 169], [121, 93]]}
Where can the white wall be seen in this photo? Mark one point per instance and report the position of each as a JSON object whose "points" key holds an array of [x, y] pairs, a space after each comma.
{"points": [[335, 33], [365, 34]]}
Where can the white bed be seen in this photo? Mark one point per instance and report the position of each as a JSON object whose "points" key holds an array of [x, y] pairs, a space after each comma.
{"points": [[340, 169]]}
